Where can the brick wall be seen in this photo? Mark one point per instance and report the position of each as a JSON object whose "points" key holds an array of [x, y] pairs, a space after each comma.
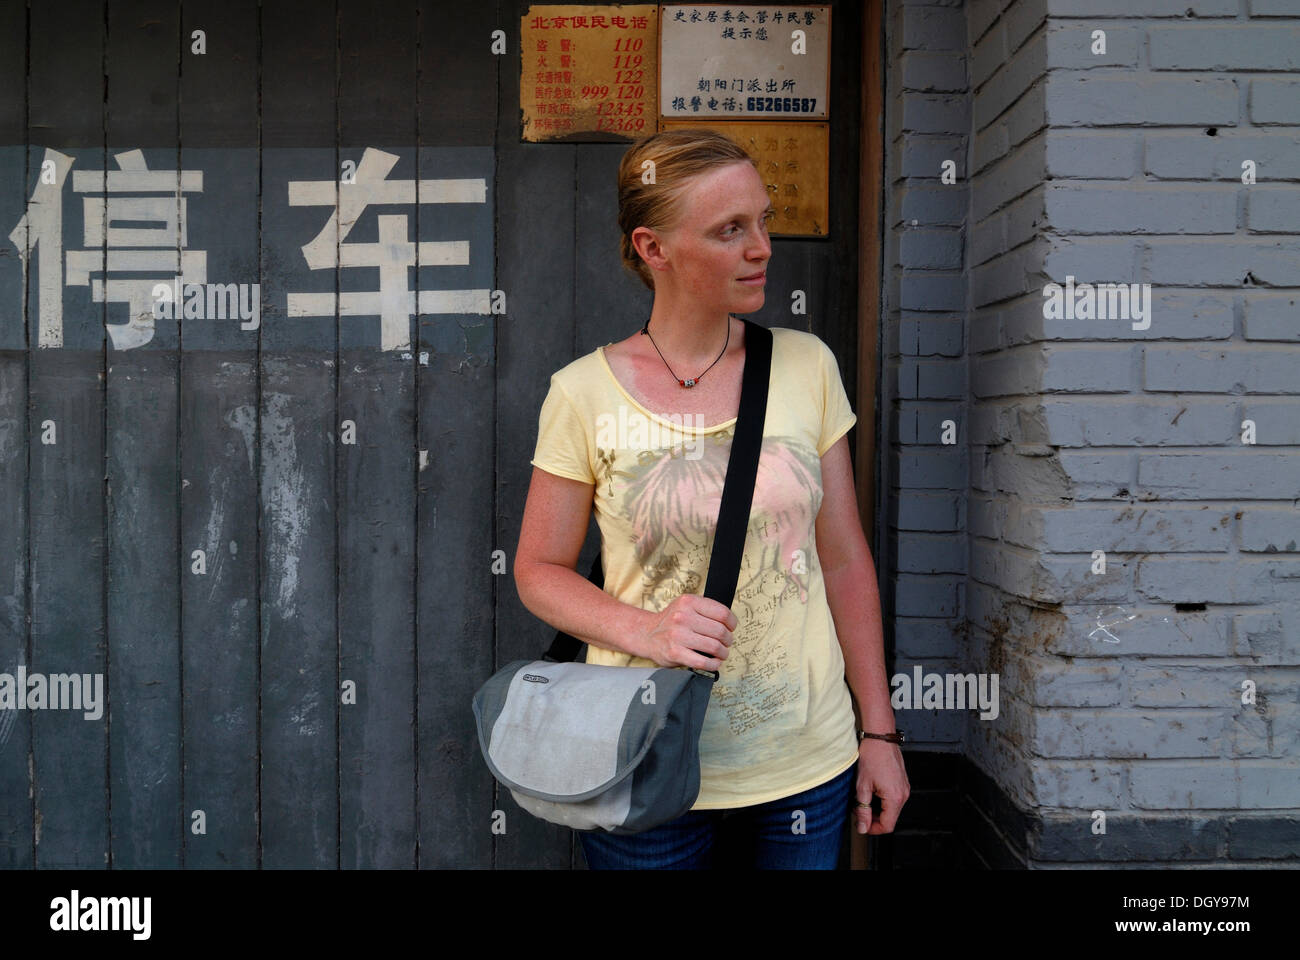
{"points": [[1119, 691], [924, 562], [1010, 470]]}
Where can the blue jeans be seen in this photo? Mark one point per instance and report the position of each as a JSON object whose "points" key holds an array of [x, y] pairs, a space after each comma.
{"points": [[761, 837]]}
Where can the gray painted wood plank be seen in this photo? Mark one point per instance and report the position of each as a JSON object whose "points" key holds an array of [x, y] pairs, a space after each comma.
{"points": [[459, 74], [15, 725], [377, 472], [299, 652], [66, 78], [143, 614], [456, 97], [218, 445], [455, 525], [66, 482], [219, 607], [16, 824], [298, 436], [69, 748], [219, 86], [377, 612], [143, 489]]}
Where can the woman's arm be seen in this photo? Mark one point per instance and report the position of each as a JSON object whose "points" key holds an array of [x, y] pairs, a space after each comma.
{"points": [[554, 527], [852, 592], [692, 631], [854, 599]]}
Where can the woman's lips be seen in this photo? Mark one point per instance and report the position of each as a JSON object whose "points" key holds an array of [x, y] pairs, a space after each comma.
{"points": [[755, 280]]}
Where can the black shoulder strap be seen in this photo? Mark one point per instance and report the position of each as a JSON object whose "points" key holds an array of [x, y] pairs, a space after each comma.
{"points": [[737, 489]]}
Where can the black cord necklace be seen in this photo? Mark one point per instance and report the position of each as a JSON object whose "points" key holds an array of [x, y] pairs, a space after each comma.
{"points": [[693, 381]]}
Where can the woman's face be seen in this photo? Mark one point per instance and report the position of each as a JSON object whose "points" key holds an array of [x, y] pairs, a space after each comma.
{"points": [[721, 240]]}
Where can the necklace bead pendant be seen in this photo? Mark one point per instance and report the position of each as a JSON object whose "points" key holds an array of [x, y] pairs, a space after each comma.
{"points": [[688, 383]]}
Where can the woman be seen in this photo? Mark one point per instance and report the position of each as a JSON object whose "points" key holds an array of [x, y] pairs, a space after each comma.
{"points": [[642, 429]]}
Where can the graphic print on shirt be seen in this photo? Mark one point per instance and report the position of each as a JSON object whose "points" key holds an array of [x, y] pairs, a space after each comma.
{"points": [[671, 504]]}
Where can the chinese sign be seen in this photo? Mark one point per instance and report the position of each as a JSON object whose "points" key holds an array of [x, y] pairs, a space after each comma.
{"points": [[794, 162], [135, 248], [392, 255], [109, 250], [719, 61], [588, 72]]}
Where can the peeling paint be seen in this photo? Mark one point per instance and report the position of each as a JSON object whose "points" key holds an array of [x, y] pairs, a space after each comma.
{"points": [[286, 506]]}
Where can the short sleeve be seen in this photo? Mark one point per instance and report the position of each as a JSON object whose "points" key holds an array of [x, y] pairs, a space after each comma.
{"points": [[837, 416], [562, 444]]}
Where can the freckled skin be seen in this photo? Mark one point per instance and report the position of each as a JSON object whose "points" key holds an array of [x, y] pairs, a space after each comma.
{"points": [[709, 250]]}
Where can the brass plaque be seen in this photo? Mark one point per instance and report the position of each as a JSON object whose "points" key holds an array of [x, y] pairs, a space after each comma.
{"points": [[793, 160], [588, 73], [728, 62]]}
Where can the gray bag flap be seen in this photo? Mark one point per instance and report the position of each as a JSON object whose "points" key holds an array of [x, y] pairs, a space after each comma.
{"points": [[605, 717]]}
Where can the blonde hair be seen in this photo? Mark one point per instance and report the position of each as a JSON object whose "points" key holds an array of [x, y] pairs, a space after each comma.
{"points": [[679, 156]]}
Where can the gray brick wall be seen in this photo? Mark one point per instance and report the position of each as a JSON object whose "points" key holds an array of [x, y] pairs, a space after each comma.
{"points": [[1119, 691], [927, 123]]}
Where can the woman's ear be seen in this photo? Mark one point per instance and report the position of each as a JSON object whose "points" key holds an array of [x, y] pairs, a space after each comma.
{"points": [[650, 247]]}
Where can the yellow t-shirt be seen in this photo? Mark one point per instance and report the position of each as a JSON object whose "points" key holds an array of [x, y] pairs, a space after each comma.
{"points": [[780, 718]]}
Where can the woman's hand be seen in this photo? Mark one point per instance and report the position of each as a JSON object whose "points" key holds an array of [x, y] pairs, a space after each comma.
{"points": [[880, 772], [692, 631]]}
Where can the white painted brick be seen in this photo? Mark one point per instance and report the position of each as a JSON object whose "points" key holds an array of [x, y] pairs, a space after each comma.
{"points": [[1091, 260], [1270, 530], [1051, 682], [1242, 579], [926, 596], [1145, 9], [929, 511], [1221, 46], [1225, 369], [1070, 44], [1182, 685], [1217, 784], [933, 71], [1274, 101], [1272, 316], [1277, 423], [1118, 528], [1273, 208], [1010, 81], [1077, 783], [1238, 474], [1225, 263], [1139, 99], [1093, 154], [1179, 155], [1078, 208], [920, 638], [1138, 734], [1098, 476], [1268, 636]]}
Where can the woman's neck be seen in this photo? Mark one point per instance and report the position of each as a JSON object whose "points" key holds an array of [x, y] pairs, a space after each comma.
{"points": [[689, 339]]}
